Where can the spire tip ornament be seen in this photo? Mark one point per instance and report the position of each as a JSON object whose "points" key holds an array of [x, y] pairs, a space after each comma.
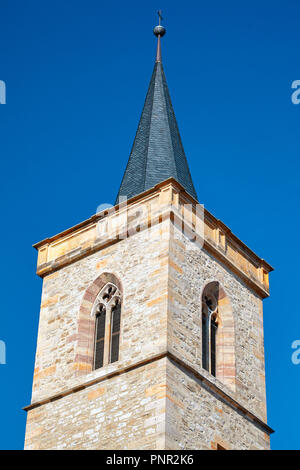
{"points": [[159, 31]]}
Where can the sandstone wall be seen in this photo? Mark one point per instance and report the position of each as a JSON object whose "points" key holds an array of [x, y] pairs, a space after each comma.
{"points": [[141, 264], [125, 412], [191, 268], [198, 419], [156, 404]]}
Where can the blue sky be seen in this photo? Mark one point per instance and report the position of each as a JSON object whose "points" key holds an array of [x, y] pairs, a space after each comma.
{"points": [[76, 75]]}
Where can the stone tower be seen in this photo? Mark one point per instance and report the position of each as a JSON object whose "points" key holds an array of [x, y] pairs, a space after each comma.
{"points": [[151, 321]]}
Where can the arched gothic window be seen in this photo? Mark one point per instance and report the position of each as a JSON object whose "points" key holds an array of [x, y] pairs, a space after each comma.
{"points": [[107, 312], [218, 337], [209, 331]]}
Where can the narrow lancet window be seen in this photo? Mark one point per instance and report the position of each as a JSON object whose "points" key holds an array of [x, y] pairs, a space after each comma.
{"points": [[100, 336], [218, 338], [115, 331], [209, 332], [213, 335], [205, 345]]}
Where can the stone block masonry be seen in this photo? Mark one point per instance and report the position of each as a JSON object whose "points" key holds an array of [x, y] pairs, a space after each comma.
{"points": [[125, 412], [157, 395]]}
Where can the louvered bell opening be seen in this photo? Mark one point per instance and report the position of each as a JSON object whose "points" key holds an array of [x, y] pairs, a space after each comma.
{"points": [[99, 343], [115, 336]]}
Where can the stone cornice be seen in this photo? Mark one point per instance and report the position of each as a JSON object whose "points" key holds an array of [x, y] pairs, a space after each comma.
{"points": [[210, 386], [166, 200]]}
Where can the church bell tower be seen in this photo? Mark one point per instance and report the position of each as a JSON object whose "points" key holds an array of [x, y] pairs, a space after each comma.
{"points": [[151, 320]]}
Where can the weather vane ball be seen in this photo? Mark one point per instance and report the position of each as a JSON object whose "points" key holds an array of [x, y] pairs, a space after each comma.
{"points": [[159, 30]]}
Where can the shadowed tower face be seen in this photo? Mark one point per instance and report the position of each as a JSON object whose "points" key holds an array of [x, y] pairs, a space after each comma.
{"points": [[147, 338]]}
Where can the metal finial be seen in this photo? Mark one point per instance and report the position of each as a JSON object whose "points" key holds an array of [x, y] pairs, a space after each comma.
{"points": [[159, 16], [159, 32]]}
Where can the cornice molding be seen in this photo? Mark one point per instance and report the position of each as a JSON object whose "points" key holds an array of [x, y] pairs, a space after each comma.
{"points": [[209, 385]]}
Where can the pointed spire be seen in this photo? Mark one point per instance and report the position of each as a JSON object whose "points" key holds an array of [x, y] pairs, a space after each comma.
{"points": [[157, 152]]}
